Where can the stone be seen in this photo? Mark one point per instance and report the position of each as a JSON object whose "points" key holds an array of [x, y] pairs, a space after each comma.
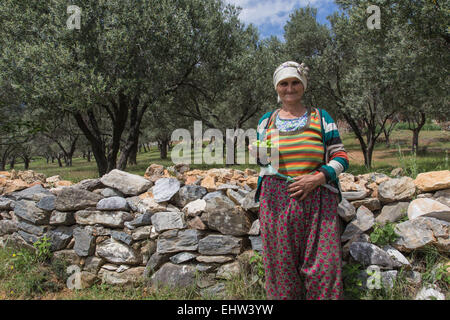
{"points": [[443, 196], [417, 233], [214, 259], [392, 212], [396, 255], [93, 264], [69, 256], [354, 195], [220, 245], [197, 223], [127, 183], [174, 276], [47, 203], [6, 204], [73, 199], [34, 193], [118, 253], [372, 204], [399, 189], [168, 220], [139, 221], [114, 219], [89, 184], [175, 241], [388, 278], [217, 291], [369, 254], [7, 227], [84, 242], [346, 210], [397, 172], [189, 193], [364, 221], [110, 267], [413, 277], [209, 183], [122, 237], [358, 237], [30, 228], [113, 203], [122, 268], [127, 277], [255, 228], [141, 233], [429, 294], [194, 208], [29, 237], [155, 172], [165, 188], [428, 208], [182, 257], [228, 271], [110, 192], [249, 202], [62, 218], [155, 262], [256, 242], [432, 181], [27, 210], [60, 237], [234, 221]]}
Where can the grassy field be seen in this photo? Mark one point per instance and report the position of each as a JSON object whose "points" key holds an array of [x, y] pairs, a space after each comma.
{"points": [[433, 155]]}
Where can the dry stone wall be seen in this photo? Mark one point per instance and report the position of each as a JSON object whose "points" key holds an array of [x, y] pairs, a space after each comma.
{"points": [[175, 222]]}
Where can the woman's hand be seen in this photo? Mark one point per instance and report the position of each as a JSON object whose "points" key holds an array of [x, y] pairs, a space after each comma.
{"points": [[303, 185]]}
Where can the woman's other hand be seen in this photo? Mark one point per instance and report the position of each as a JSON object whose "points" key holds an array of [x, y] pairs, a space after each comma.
{"points": [[303, 185]]}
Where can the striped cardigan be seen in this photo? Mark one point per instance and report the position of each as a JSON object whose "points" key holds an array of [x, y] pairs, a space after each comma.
{"points": [[335, 157]]}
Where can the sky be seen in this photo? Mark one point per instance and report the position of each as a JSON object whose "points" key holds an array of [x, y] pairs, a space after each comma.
{"points": [[270, 16]]}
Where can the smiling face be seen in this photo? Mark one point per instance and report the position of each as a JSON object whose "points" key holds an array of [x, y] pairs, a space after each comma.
{"points": [[290, 90]]}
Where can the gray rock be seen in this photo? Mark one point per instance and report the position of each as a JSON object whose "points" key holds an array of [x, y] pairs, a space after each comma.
{"points": [[194, 208], [346, 210], [62, 218], [443, 196], [28, 237], [237, 196], [220, 244], [165, 188], [30, 228], [72, 199], [256, 243], [393, 190], [114, 219], [47, 203], [113, 203], [249, 202], [396, 255], [428, 208], [27, 210], [141, 233], [109, 192], [182, 257], [358, 237], [226, 186], [84, 242], [255, 228], [118, 253], [7, 227], [413, 277], [133, 202], [392, 212], [354, 195], [89, 184], [214, 259], [372, 204], [388, 278], [60, 237], [175, 241], [228, 271], [364, 221], [188, 193], [140, 220], [6, 204], [214, 194], [168, 220], [234, 221], [69, 256], [369, 254], [155, 262], [34, 193], [172, 275], [429, 294], [127, 277], [127, 183], [93, 264], [217, 291], [122, 237], [417, 233]]}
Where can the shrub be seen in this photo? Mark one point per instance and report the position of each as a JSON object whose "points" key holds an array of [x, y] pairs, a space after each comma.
{"points": [[382, 235]]}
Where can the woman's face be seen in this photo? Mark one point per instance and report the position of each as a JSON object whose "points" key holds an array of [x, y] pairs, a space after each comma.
{"points": [[290, 90]]}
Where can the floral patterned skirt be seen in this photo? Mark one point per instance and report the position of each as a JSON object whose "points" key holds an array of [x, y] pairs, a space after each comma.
{"points": [[302, 251]]}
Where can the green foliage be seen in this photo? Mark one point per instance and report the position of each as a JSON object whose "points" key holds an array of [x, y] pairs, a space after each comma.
{"points": [[258, 266], [408, 164], [42, 246], [352, 282], [383, 234]]}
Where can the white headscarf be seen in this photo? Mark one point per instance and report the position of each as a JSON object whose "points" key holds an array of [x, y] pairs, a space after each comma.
{"points": [[291, 69]]}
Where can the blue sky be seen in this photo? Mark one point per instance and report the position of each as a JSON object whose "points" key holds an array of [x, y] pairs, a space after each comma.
{"points": [[270, 16]]}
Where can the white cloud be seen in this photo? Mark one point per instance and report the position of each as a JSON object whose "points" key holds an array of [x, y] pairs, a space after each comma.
{"points": [[275, 12]]}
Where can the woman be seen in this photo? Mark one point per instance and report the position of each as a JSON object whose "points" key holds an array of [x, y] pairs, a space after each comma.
{"points": [[300, 227]]}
